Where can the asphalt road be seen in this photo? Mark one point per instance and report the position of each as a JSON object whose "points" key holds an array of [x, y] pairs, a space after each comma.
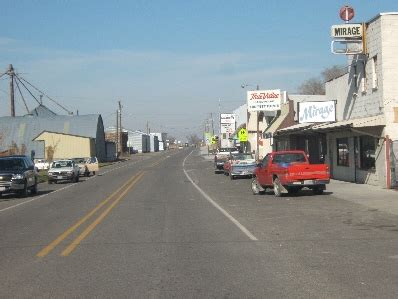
{"points": [[164, 225]]}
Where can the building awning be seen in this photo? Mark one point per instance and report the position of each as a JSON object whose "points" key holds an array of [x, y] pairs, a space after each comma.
{"points": [[295, 128], [275, 124], [371, 121]]}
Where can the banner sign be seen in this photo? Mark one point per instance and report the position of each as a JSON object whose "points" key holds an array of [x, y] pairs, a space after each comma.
{"points": [[264, 100], [315, 112], [226, 118], [227, 128]]}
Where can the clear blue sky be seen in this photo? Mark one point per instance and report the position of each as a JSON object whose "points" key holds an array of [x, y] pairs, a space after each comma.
{"points": [[169, 62]]}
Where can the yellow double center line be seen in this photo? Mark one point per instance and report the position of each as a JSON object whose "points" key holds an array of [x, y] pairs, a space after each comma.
{"points": [[125, 187]]}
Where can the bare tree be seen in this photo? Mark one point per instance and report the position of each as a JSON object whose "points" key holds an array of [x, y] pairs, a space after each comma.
{"points": [[312, 86], [316, 85], [193, 139], [333, 72]]}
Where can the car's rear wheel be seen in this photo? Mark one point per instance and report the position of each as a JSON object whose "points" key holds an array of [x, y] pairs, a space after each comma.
{"points": [[256, 187], [232, 177], [277, 187], [318, 190]]}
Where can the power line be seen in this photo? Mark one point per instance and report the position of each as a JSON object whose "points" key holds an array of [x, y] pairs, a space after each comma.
{"points": [[23, 99], [43, 93]]}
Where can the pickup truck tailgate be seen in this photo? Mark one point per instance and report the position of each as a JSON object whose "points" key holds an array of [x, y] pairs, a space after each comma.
{"points": [[308, 172]]}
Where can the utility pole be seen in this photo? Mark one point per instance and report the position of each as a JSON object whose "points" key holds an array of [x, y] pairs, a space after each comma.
{"points": [[117, 133], [257, 131], [120, 128], [12, 99], [212, 123]]}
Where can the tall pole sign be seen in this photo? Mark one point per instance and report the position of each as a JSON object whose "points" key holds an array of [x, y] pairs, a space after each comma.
{"points": [[347, 13]]}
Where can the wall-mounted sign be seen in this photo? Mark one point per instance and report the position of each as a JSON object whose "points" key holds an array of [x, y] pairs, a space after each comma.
{"points": [[226, 118], [227, 128], [264, 100], [347, 31], [315, 112]]}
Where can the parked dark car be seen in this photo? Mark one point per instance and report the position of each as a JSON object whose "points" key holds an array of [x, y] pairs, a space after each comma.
{"points": [[17, 175]]}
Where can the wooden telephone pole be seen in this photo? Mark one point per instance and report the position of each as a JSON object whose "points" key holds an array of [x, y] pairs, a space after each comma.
{"points": [[11, 73]]}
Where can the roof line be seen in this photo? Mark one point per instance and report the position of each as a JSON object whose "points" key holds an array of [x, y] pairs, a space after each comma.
{"points": [[59, 133]]}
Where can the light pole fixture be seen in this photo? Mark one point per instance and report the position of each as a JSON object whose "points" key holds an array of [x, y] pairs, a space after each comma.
{"points": [[244, 85]]}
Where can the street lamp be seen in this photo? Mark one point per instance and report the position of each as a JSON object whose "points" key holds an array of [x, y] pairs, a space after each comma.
{"points": [[257, 122]]}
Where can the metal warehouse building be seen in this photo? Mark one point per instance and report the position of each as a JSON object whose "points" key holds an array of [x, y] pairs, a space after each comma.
{"points": [[17, 133]]}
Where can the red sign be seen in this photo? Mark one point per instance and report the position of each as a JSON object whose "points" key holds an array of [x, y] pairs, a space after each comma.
{"points": [[346, 13]]}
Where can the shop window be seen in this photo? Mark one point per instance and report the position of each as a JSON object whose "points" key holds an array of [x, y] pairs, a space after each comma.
{"points": [[342, 152], [367, 148]]}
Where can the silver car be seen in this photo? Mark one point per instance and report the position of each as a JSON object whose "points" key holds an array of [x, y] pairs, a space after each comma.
{"points": [[63, 170]]}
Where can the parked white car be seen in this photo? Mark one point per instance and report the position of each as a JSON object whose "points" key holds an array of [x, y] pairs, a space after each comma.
{"points": [[42, 164], [63, 170]]}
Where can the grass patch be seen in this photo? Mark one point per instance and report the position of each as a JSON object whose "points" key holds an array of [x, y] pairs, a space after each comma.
{"points": [[43, 176]]}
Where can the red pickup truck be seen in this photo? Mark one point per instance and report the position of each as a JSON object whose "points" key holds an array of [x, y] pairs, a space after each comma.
{"points": [[289, 172]]}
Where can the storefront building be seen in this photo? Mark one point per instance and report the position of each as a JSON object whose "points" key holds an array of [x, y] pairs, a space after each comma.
{"points": [[361, 144]]}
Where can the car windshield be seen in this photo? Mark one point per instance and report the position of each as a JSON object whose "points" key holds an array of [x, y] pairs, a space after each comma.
{"points": [[11, 164], [60, 164], [242, 157], [289, 158], [79, 160]]}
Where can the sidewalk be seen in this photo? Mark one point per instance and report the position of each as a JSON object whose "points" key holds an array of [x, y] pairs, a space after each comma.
{"points": [[373, 197]]}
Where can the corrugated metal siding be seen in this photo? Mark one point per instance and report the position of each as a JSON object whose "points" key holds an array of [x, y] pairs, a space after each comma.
{"points": [[21, 131]]}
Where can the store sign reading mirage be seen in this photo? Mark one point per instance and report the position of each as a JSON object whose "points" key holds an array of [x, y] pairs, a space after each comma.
{"points": [[227, 118], [264, 100], [315, 112]]}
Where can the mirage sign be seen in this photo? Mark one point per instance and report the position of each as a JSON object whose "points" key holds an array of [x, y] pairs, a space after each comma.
{"points": [[316, 112]]}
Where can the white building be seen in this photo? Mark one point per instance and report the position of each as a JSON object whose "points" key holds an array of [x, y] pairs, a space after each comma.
{"points": [[362, 145]]}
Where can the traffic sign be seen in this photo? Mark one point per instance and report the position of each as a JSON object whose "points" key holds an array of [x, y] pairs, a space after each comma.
{"points": [[214, 139], [242, 134]]}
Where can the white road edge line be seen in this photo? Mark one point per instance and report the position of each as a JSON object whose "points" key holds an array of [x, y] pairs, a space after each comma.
{"points": [[35, 198], [209, 199]]}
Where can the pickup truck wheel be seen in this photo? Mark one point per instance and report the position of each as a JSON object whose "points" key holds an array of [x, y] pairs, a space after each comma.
{"points": [[293, 190], [277, 188], [318, 190], [257, 190]]}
